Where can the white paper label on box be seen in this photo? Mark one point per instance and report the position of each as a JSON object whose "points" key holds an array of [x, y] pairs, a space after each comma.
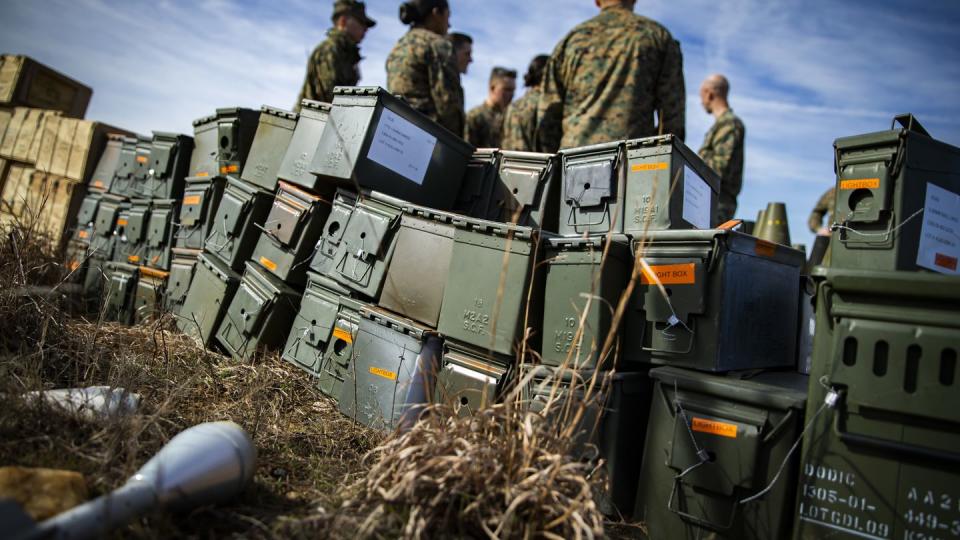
{"points": [[696, 199], [402, 147], [939, 248]]}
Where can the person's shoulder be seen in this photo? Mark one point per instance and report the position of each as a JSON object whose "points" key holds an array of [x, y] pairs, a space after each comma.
{"points": [[732, 119], [477, 112]]}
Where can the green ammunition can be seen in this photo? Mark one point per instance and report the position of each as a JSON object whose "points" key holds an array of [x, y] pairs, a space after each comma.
{"points": [[476, 190], [182, 266], [721, 289], [492, 272], [121, 245], [169, 161], [377, 141], [201, 198], [295, 167], [260, 314], [526, 190], [107, 165], [236, 127], [204, 162], [160, 234], [470, 380], [132, 243], [211, 290], [367, 245], [338, 356], [236, 225], [121, 286], [269, 146], [324, 256], [141, 167], [314, 324], [149, 297], [418, 272], [384, 366], [882, 461], [290, 233], [897, 195], [713, 442], [122, 182], [635, 186]]}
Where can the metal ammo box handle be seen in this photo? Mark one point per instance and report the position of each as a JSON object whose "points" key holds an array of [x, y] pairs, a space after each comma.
{"points": [[877, 443], [700, 522], [572, 220]]}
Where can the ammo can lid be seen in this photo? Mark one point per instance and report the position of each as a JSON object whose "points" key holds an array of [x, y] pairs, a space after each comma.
{"points": [[395, 322], [218, 267], [211, 119], [780, 394], [453, 347], [144, 140], [601, 148], [733, 240], [115, 138], [246, 189], [186, 253], [168, 136], [494, 227], [260, 278], [277, 112], [162, 204], [315, 105], [319, 280], [909, 285], [140, 204], [358, 91], [229, 112]]}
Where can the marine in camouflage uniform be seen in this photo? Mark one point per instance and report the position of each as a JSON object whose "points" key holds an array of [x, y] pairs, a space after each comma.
{"points": [[605, 80], [520, 121], [824, 207], [335, 61], [722, 150], [484, 126], [421, 68]]}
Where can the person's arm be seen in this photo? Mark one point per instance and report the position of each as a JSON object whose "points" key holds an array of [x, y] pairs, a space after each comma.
{"points": [[549, 130], [326, 76], [670, 99], [445, 88], [727, 137]]}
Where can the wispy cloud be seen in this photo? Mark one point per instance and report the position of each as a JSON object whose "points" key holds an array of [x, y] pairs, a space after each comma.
{"points": [[803, 72]]}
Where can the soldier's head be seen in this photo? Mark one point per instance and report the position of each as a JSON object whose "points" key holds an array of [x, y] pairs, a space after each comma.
{"points": [[351, 17], [714, 92], [535, 71], [603, 4], [433, 15], [503, 83], [462, 50]]}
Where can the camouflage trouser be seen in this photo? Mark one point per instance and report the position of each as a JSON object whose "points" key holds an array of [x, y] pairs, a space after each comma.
{"points": [[726, 208]]}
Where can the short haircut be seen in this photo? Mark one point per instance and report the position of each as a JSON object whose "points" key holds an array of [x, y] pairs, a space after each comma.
{"points": [[535, 71], [459, 40], [719, 84], [499, 73]]}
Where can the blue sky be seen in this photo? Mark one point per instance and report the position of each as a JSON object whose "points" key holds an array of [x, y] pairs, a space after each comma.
{"points": [[803, 72]]}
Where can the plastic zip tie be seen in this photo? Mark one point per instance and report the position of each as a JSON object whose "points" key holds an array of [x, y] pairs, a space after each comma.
{"points": [[838, 226]]}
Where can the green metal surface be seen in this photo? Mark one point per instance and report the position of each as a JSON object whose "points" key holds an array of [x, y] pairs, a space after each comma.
{"points": [[182, 265], [102, 178], [204, 161], [313, 326], [469, 380], [324, 256], [367, 245], [260, 314], [122, 183], [295, 167], [149, 297], [882, 185], [269, 146], [120, 290], [417, 274], [723, 289], [338, 357], [169, 161], [492, 272], [526, 190], [376, 141], [884, 462], [132, 241], [236, 225], [584, 280], [141, 166], [635, 186], [211, 290], [201, 198], [290, 233], [714, 441], [160, 234], [236, 127], [384, 365]]}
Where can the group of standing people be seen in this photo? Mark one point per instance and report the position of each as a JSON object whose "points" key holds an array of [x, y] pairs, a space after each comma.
{"points": [[616, 76]]}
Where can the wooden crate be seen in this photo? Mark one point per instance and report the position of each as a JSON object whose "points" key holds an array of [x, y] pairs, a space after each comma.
{"points": [[24, 131], [45, 203], [26, 82], [71, 148]]}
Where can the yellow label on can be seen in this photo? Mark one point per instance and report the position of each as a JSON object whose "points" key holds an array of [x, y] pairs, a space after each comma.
{"points": [[268, 264], [142, 159], [713, 427], [342, 335], [202, 174], [383, 373], [191, 199], [764, 248], [229, 169], [98, 183], [82, 234], [860, 183], [637, 167], [670, 274], [133, 259]]}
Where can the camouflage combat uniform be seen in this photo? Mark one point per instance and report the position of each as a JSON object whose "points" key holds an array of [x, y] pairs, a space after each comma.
{"points": [[421, 68], [722, 150], [335, 62], [606, 79], [824, 207], [484, 126], [520, 123]]}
